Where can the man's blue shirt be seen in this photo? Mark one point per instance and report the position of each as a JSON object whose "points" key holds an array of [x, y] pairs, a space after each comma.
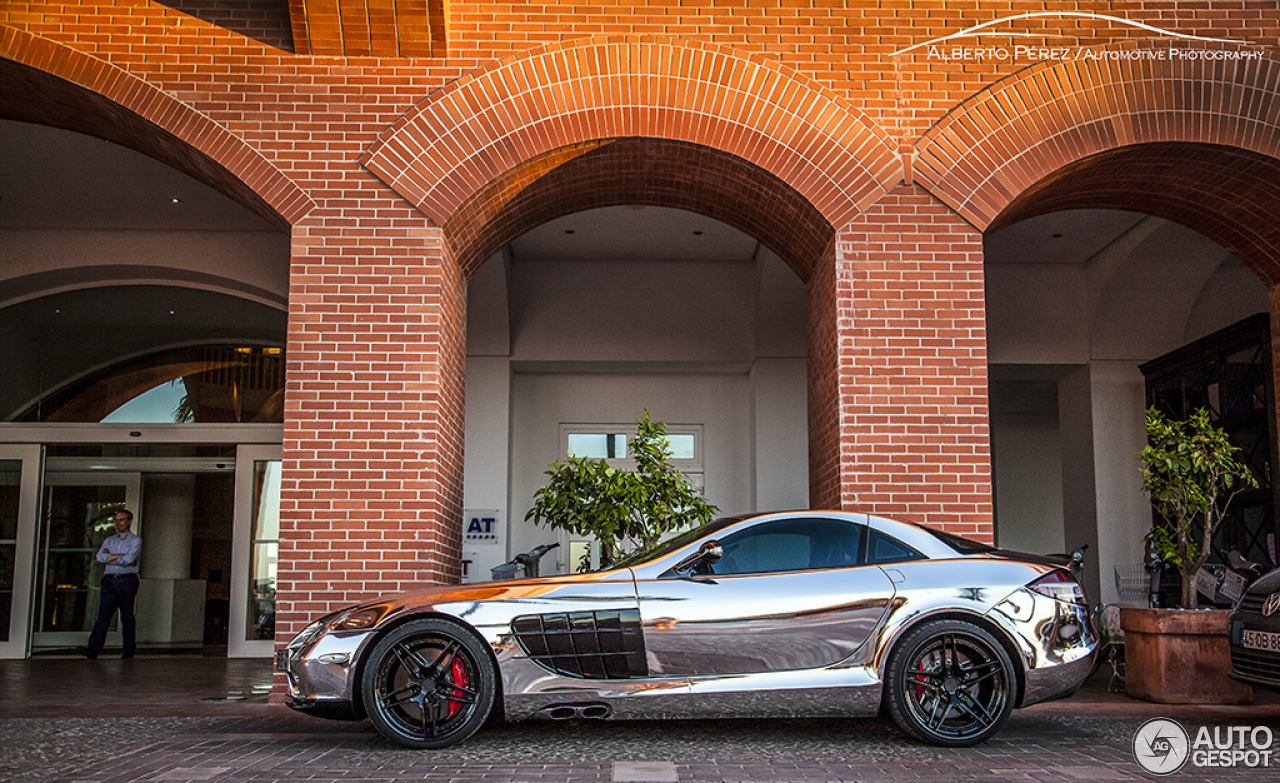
{"points": [[129, 547]]}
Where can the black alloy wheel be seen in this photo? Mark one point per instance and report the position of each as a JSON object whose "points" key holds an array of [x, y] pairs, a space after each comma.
{"points": [[950, 683], [429, 684]]}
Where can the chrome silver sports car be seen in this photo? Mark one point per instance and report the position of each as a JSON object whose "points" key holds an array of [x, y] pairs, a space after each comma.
{"points": [[795, 614]]}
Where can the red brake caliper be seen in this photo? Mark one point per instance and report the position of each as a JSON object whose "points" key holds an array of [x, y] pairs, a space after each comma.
{"points": [[458, 676]]}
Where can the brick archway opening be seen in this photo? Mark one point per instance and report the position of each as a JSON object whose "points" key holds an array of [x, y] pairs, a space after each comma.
{"points": [[681, 175], [1228, 194], [1146, 290], [33, 96], [646, 171]]}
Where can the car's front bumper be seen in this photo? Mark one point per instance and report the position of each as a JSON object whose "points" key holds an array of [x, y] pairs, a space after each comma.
{"points": [[1254, 666], [320, 674]]}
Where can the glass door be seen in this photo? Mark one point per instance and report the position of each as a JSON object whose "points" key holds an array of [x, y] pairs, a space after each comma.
{"points": [[76, 518], [256, 543], [19, 497]]}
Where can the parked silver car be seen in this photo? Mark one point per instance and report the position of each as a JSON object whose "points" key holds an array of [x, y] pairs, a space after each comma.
{"points": [[809, 613]]}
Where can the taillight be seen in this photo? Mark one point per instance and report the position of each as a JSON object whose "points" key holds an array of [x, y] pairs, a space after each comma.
{"points": [[1060, 586]]}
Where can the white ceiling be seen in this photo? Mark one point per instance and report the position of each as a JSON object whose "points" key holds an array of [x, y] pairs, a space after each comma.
{"points": [[51, 178], [634, 233]]}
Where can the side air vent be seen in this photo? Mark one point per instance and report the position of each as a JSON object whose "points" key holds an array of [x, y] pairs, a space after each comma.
{"points": [[606, 645]]}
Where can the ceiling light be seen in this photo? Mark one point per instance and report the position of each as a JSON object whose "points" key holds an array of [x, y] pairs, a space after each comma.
{"points": [[175, 201]]}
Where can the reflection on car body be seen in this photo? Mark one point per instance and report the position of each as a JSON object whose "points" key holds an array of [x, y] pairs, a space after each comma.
{"points": [[790, 614]]}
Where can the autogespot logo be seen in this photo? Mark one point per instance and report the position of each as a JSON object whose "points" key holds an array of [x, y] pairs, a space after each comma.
{"points": [[1161, 746]]}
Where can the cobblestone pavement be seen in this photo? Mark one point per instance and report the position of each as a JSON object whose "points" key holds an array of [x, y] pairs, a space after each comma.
{"points": [[238, 737]]}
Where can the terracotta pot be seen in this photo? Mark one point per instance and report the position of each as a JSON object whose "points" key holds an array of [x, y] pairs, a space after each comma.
{"points": [[1177, 656]]}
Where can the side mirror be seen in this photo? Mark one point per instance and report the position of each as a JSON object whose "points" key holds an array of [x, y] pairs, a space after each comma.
{"points": [[708, 554]]}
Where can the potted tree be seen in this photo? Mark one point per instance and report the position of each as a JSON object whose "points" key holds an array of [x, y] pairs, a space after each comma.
{"points": [[1191, 474], [589, 497]]}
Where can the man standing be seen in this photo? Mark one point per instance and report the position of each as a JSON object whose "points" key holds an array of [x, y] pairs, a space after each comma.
{"points": [[119, 585]]}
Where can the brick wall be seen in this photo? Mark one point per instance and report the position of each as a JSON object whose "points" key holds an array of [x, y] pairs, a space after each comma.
{"points": [[912, 388]]}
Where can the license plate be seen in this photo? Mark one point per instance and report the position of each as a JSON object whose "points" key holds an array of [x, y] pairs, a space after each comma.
{"points": [[1260, 640]]}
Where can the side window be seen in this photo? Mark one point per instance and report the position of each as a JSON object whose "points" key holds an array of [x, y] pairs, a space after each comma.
{"points": [[790, 545], [883, 549]]}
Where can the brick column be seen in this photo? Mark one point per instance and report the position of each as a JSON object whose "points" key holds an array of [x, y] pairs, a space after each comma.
{"points": [[372, 494], [904, 304]]}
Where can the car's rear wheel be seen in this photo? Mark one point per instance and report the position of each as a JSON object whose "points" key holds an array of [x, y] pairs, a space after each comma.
{"points": [[428, 684], [950, 683]]}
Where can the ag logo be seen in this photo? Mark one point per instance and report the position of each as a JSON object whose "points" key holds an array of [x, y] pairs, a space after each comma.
{"points": [[1161, 746], [1272, 605]]}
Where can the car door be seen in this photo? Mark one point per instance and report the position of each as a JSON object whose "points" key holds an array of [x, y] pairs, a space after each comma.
{"points": [[787, 594]]}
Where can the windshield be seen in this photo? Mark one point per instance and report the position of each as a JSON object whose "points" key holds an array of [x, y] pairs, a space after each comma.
{"points": [[665, 548]]}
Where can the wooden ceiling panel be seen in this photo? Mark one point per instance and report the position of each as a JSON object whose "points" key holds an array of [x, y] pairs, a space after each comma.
{"points": [[369, 28]]}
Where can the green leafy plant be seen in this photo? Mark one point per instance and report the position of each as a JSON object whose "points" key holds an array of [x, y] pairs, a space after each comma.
{"points": [[588, 497], [1190, 472]]}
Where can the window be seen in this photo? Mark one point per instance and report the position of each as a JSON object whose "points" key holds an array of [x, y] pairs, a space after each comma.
{"points": [[211, 384], [790, 545], [265, 550], [883, 549], [612, 442], [597, 445]]}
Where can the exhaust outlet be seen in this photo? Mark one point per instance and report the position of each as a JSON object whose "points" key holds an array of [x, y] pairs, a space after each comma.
{"points": [[568, 711]]}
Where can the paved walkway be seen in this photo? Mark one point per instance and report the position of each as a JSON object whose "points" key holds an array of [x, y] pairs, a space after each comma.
{"points": [[178, 719]]}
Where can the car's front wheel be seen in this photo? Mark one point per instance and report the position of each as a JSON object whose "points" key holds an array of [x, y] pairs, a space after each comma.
{"points": [[950, 683], [428, 684]]}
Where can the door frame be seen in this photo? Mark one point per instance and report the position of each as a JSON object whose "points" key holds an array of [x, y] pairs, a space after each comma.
{"points": [[132, 498], [31, 456], [238, 646]]}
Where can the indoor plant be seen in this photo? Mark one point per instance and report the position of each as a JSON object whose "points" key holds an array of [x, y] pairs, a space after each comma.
{"points": [[1190, 472], [589, 497]]}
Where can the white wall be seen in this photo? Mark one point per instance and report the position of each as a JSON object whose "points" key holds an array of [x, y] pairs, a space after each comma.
{"points": [[1028, 465], [721, 403], [1144, 289], [717, 343]]}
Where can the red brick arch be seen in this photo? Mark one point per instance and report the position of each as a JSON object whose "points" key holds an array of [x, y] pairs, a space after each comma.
{"points": [[1013, 137], [519, 109], [52, 84], [654, 172]]}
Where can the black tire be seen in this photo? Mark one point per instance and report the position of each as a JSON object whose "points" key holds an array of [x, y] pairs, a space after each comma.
{"points": [[950, 683], [429, 684]]}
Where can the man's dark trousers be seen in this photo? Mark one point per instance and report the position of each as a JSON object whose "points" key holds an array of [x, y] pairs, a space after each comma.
{"points": [[118, 592]]}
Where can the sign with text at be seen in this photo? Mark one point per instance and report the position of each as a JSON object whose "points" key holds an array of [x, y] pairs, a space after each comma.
{"points": [[482, 527]]}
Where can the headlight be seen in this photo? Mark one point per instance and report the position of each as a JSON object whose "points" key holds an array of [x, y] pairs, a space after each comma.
{"points": [[359, 619], [310, 633]]}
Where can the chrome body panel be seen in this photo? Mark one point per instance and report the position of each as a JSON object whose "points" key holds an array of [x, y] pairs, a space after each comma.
{"points": [[812, 642], [794, 621], [322, 671], [1058, 642], [848, 692]]}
